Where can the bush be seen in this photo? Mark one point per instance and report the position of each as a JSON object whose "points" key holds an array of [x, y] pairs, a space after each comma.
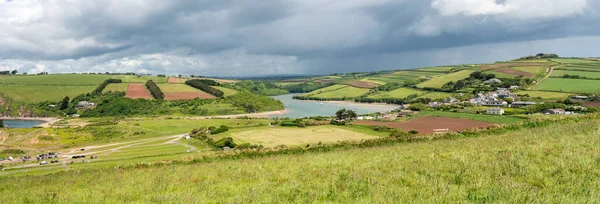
{"points": [[225, 142], [221, 129], [103, 85], [12, 151], [199, 84], [155, 90]]}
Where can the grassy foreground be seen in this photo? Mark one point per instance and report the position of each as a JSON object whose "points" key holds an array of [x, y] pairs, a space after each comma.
{"points": [[556, 163]]}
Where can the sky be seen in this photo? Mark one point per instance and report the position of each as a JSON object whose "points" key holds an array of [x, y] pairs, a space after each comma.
{"points": [[281, 37]]}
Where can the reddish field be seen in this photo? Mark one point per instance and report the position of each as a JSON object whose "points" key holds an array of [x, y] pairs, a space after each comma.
{"points": [[187, 95], [137, 91], [592, 104], [362, 84], [515, 72], [426, 124], [174, 80]]}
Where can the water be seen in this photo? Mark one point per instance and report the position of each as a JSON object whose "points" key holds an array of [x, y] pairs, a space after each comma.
{"points": [[22, 123], [303, 108]]}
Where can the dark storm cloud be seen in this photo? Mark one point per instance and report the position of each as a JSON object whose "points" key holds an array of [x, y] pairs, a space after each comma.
{"points": [[240, 37]]}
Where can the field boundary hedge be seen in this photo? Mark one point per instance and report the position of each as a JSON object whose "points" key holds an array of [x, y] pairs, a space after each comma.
{"points": [[199, 84], [154, 90], [103, 85]]}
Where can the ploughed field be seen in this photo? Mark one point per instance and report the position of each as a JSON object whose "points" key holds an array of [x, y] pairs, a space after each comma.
{"points": [[137, 91], [172, 80], [427, 124]]}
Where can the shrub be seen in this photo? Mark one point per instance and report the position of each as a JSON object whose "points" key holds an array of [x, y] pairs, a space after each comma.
{"points": [[12, 151], [221, 129], [103, 85], [199, 84], [225, 142]]}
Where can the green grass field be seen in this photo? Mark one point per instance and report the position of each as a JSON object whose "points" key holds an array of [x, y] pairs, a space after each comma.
{"points": [[140, 79], [326, 89], [168, 88], [116, 87], [55, 79], [501, 75], [398, 93], [436, 69], [560, 73], [348, 91], [569, 85], [39, 93], [549, 164], [374, 81], [439, 81], [226, 91], [545, 94], [573, 61], [292, 136], [506, 120], [436, 95], [532, 69]]}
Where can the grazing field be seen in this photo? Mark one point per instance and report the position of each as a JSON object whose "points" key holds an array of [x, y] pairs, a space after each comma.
{"points": [[514, 72], [569, 85], [426, 124], [581, 67], [116, 87], [531, 69], [439, 81], [226, 91], [374, 81], [545, 94], [187, 95], [573, 61], [292, 136], [40, 93], [55, 79], [140, 79], [166, 88], [436, 95], [436, 69], [345, 92], [398, 93], [138, 91], [326, 89], [173, 80], [559, 73], [362, 84], [496, 119]]}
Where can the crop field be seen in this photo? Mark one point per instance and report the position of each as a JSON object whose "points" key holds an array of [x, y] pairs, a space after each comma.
{"points": [[166, 88], [569, 85], [439, 81], [348, 91], [326, 89], [573, 61], [140, 79], [531, 69], [496, 119], [426, 124], [138, 91], [559, 73], [581, 67], [514, 72], [173, 80], [374, 81], [362, 84], [40, 93], [55, 79], [226, 91], [436, 95], [398, 93], [545, 94], [292, 136], [182, 92], [436, 69], [116, 87]]}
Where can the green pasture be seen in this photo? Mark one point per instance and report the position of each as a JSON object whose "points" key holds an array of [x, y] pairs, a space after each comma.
{"points": [[496, 119], [169, 88], [436, 95], [116, 87], [326, 89], [39, 93], [54, 79], [569, 85], [140, 79], [545, 94], [348, 91], [226, 91], [398, 93], [439, 81], [531, 69], [573, 61], [560, 73]]}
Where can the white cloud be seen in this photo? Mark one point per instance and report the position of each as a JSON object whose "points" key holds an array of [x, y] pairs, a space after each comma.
{"points": [[522, 9]]}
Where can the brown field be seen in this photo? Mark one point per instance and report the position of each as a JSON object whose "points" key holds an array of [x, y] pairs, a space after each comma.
{"points": [[426, 124], [592, 104], [187, 95], [514, 72], [172, 80], [362, 84], [137, 91], [507, 65]]}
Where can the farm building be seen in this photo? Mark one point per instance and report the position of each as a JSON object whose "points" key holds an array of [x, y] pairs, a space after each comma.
{"points": [[556, 111], [579, 97], [496, 103], [85, 104], [495, 111], [404, 113], [494, 80], [517, 104], [365, 118]]}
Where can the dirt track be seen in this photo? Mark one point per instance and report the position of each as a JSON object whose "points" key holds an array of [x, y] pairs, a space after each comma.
{"points": [[426, 124]]}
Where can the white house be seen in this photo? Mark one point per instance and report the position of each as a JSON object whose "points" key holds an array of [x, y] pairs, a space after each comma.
{"points": [[495, 111]]}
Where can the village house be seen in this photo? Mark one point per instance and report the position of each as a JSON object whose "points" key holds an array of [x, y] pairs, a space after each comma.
{"points": [[494, 80], [579, 97], [514, 87], [555, 111], [365, 118], [85, 104], [495, 111], [497, 103], [518, 104]]}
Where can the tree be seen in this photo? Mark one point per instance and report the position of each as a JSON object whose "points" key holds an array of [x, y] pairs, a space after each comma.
{"points": [[1, 124], [14, 71], [344, 114], [65, 103]]}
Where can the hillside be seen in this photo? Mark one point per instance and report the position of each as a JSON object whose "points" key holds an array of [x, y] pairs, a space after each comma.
{"points": [[549, 163]]}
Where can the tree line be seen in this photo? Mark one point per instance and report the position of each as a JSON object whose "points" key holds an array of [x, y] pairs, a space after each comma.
{"points": [[103, 85], [154, 90], [200, 84]]}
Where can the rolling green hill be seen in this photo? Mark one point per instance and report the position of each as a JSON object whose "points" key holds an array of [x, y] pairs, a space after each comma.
{"points": [[439, 81]]}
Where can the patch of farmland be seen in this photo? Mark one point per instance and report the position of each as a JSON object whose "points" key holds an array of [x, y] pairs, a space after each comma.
{"points": [[346, 92], [512, 64], [138, 91], [40, 93], [362, 84], [514, 72], [272, 137], [426, 124], [581, 67], [569, 85], [187, 95], [54, 79], [326, 89], [173, 80], [439, 81], [116, 87], [374, 81], [531, 69], [545, 94], [226, 91], [166, 88], [560, 73], [573, 61], [436, 95], [398, 93], [436, 69], [140, 79]]}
